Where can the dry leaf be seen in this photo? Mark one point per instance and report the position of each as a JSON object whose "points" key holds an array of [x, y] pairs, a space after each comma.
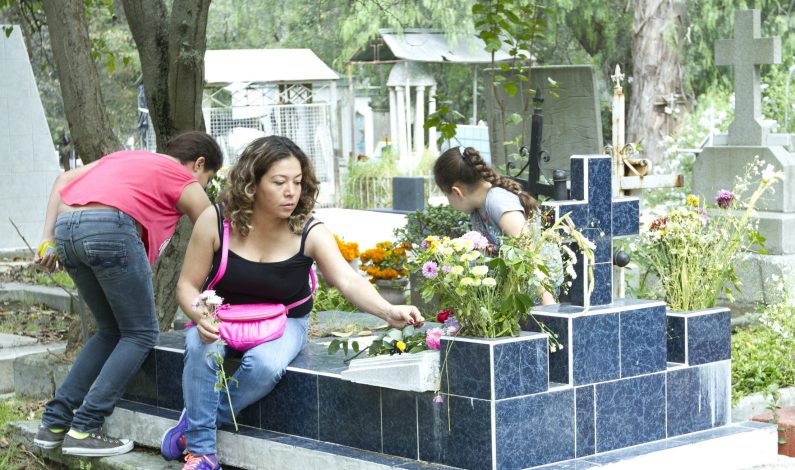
{"points": [[365, 333], [381, 327], [340, 334]]}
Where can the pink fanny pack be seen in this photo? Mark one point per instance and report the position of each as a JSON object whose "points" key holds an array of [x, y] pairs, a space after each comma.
{"points": [[244, 326]]}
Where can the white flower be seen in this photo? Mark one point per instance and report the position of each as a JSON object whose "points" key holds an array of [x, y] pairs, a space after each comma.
{"points": [[467, 281], [214, 301], [457, 270], [206, 294], [480, 271], [769, 174], [489, 282]]}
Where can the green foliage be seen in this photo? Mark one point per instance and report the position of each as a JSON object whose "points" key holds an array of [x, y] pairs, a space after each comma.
{"points": [[760, 359], [328, 299], [443, 221], [393, 341]]}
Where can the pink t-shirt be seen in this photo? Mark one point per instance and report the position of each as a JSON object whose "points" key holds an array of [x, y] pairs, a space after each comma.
{"points": [[144, 185]]}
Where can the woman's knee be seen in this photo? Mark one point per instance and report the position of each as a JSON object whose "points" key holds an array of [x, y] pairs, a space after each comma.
{"points": [[263, 369], [197, 350]]}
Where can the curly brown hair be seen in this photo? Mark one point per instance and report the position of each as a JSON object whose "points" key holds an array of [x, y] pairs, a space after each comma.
{"points": [[245, 175], [469, 169]]}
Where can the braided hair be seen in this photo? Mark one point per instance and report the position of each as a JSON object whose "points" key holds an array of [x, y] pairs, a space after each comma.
{"points": [[469, 169]]}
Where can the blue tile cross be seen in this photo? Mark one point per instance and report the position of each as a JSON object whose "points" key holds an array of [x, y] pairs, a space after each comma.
{"points": [[600, 218]]}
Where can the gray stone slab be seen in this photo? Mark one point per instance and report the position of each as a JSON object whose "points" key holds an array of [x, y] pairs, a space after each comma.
{"points": [[252, 449], [572, 122], [15, 341], [38, 375], [53, 297], [22, 432], [752, 405], [718, 167], [9, 356], [758, 277]]}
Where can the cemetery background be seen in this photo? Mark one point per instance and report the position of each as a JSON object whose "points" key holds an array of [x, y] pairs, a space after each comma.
{"points": [[776, 88]]}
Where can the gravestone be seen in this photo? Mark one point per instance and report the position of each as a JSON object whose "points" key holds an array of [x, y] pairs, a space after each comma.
{"points": [[718, 165], [621, 381], [30, 162], [572, 121]]}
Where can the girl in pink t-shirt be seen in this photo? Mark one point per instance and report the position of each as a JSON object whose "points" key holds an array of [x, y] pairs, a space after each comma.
{"points": [[108, 222]]}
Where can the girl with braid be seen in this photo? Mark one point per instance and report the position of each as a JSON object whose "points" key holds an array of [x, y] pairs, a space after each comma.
{"points": [[496, 206]]}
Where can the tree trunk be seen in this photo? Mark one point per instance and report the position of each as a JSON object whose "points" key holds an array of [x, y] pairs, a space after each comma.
{"points": [[83, 105], [166, 274], [187, 45], [656, 73], [171, 48]]}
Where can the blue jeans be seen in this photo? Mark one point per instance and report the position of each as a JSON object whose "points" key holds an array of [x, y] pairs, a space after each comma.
{"points": [[103, 254], [260, 370]]}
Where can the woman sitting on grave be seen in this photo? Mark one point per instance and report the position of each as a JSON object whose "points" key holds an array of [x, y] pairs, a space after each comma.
{"points": [[496, 206], [265, 232], [107, 222]]}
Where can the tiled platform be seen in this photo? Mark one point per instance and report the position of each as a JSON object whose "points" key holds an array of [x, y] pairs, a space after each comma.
{"points": [[500, 412]]}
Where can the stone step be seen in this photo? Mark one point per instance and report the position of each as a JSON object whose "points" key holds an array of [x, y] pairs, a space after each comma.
{"points": [[254, 448], [738, 446], [22, 432], [10, 360], [53, 297]]}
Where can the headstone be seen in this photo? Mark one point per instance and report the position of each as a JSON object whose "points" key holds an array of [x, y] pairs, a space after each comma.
{"points": [[718, 165], [30, 161], [572, 121], [408, 193]]}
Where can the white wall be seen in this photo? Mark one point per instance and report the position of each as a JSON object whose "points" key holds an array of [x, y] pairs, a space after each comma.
{"points": [[29, 160]]}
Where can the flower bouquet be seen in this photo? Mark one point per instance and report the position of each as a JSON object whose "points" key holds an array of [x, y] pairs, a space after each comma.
{"points": [[694, 248], [493, 295]]}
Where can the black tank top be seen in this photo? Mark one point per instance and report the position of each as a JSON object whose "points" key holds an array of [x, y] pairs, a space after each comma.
{"points": [[251, 282]]}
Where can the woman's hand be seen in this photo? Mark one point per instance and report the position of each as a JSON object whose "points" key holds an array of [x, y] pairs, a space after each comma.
{"points": [[208, 330], [47, 255], [399, 316]]}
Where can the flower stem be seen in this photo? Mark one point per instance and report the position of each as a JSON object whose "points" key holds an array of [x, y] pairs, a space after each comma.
{"points": [[228, 396]]}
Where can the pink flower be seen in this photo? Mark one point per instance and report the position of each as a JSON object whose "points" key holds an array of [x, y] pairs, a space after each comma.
{"points": [[446, 269], [430, 270], [725, 198], [477, 238], [433, 338], [451, 325], [438, 399]]}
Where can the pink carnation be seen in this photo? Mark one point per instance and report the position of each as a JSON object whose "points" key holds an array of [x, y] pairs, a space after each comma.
{"points": [[433, 338]]}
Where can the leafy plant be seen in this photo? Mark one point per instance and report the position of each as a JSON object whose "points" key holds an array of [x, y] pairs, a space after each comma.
{"points": [[443, 221], [329, 298]]}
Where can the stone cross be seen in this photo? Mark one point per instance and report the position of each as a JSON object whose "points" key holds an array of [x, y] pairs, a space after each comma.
{"points": [[600, 218], [746, 51]]}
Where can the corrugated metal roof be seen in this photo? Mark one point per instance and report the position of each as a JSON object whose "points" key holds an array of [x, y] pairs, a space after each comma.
{"points": [[423, 45], [265, 66]]}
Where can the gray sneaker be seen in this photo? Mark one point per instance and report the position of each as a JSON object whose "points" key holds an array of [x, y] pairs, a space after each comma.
{"points": [[47, 439], [95, 445]]}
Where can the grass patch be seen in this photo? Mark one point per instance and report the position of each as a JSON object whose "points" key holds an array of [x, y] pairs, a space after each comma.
{"points": [[12, 455], [759, 359]]}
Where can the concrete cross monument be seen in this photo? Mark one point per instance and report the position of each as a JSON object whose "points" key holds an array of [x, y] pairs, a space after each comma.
{"points": [[745, 53], [718, 165]]}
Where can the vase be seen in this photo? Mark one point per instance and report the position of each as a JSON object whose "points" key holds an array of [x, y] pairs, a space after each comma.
{"points": [[393, 291]]}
